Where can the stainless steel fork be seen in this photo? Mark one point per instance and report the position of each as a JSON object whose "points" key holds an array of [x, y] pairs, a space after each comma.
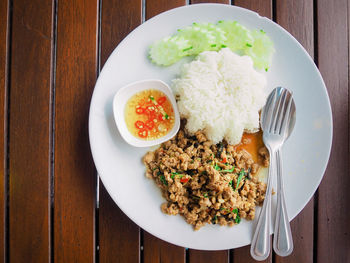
{"points": [[275, 118]]}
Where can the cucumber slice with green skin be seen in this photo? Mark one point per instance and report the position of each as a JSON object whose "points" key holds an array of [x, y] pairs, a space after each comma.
{"points": [[218, 33], [238, 37], [261, 50], [169, 50], [199, 38]]}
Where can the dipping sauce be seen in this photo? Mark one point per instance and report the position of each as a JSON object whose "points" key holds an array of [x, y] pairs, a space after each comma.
{"points": [[251, 142], [149, 115]]}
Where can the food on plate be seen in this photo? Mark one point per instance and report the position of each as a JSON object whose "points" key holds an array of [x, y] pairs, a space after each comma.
{"points": [[149, 114], [220, 93], [199, 37], [208, 172], [207, 182]]}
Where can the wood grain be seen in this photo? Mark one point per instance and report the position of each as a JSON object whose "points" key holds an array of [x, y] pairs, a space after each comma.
{"points": [[4, 60], [300, 24], [155, 7], [119, 237], [242, 255], [211, 1], [76, 70], [201, 256], [29, 150], [333, 231], [263, 8], [156, 250]]}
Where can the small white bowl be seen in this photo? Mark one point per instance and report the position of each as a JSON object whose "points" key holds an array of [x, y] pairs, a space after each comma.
{"points": [[122, 97]]}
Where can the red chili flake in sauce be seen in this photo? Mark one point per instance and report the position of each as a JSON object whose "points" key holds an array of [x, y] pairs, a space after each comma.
{"points": [[149, 114]]}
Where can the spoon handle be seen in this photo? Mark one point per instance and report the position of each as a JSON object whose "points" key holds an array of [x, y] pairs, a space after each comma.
{"points": [[261, 243], [282, 241]]}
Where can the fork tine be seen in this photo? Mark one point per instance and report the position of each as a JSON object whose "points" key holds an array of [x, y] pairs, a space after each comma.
{"points": [[286, 116], [281, 111], [277, 110]]}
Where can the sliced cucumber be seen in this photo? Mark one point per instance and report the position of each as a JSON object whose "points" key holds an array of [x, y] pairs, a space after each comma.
{"points": [[261, 50], [216, 32], [237, 36], [199, 38], [169, 50]]}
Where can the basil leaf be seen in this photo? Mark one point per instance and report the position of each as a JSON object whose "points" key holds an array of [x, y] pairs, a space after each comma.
{"points": [[162, 179], [241, 174], [228, 171]]}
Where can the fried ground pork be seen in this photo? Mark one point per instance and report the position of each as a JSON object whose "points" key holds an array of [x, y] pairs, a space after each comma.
{"points": [[205, 182]]}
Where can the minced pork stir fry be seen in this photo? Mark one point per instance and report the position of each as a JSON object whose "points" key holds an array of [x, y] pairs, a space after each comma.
{"points": [[204, 182]]}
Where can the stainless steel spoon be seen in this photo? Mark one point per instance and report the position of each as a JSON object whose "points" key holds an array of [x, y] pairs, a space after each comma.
{"points": [[275, 119]]}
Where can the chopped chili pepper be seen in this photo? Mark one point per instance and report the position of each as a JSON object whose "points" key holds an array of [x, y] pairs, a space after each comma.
{"points": [[143, 133], [140, 110], [224, 160], [149, 124], [160, 117], [139, 124], [161, 100], [184, 180]]}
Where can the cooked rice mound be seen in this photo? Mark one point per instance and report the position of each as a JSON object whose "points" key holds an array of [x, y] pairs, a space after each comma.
{"points": [[206, 183], [220, 93]]}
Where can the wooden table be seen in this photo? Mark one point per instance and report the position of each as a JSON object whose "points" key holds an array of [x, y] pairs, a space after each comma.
{"points": [[51, 53]]}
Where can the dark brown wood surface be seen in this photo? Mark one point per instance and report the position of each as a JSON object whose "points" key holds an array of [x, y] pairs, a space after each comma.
{"points": [[4, 67], [333, 216], [119, 237], [50, 56], [74, 173], [29, 151], [156, 250], [200, 256]]}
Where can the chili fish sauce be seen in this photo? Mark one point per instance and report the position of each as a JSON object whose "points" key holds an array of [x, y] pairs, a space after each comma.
{"points": [[149, 115]]}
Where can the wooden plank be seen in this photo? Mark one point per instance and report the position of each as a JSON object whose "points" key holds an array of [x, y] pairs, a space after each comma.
{"points": [[156, 250], [29, 154], [4, 60], [201, 256], [303, 237], [76, 70], [299, 23], [211, 1], [263, 8], [333, 230], [119, 237], [242, 255], [155, 7]]}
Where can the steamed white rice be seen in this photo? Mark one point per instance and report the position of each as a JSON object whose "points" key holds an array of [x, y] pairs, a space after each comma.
{"points": [[220, 93]]}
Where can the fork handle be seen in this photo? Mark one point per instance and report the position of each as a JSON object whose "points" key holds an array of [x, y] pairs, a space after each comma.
{"points": [[282, 241], [261, 243]]}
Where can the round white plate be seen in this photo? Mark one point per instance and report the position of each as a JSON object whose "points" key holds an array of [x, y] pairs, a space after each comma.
{"points": [[305, 154]]}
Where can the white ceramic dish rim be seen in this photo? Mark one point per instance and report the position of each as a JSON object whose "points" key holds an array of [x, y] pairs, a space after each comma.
{"points": [[125, 93], [327, 146]]}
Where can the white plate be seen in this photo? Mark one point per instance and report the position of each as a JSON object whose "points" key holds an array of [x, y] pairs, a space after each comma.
{"points": [[305, 154]]}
